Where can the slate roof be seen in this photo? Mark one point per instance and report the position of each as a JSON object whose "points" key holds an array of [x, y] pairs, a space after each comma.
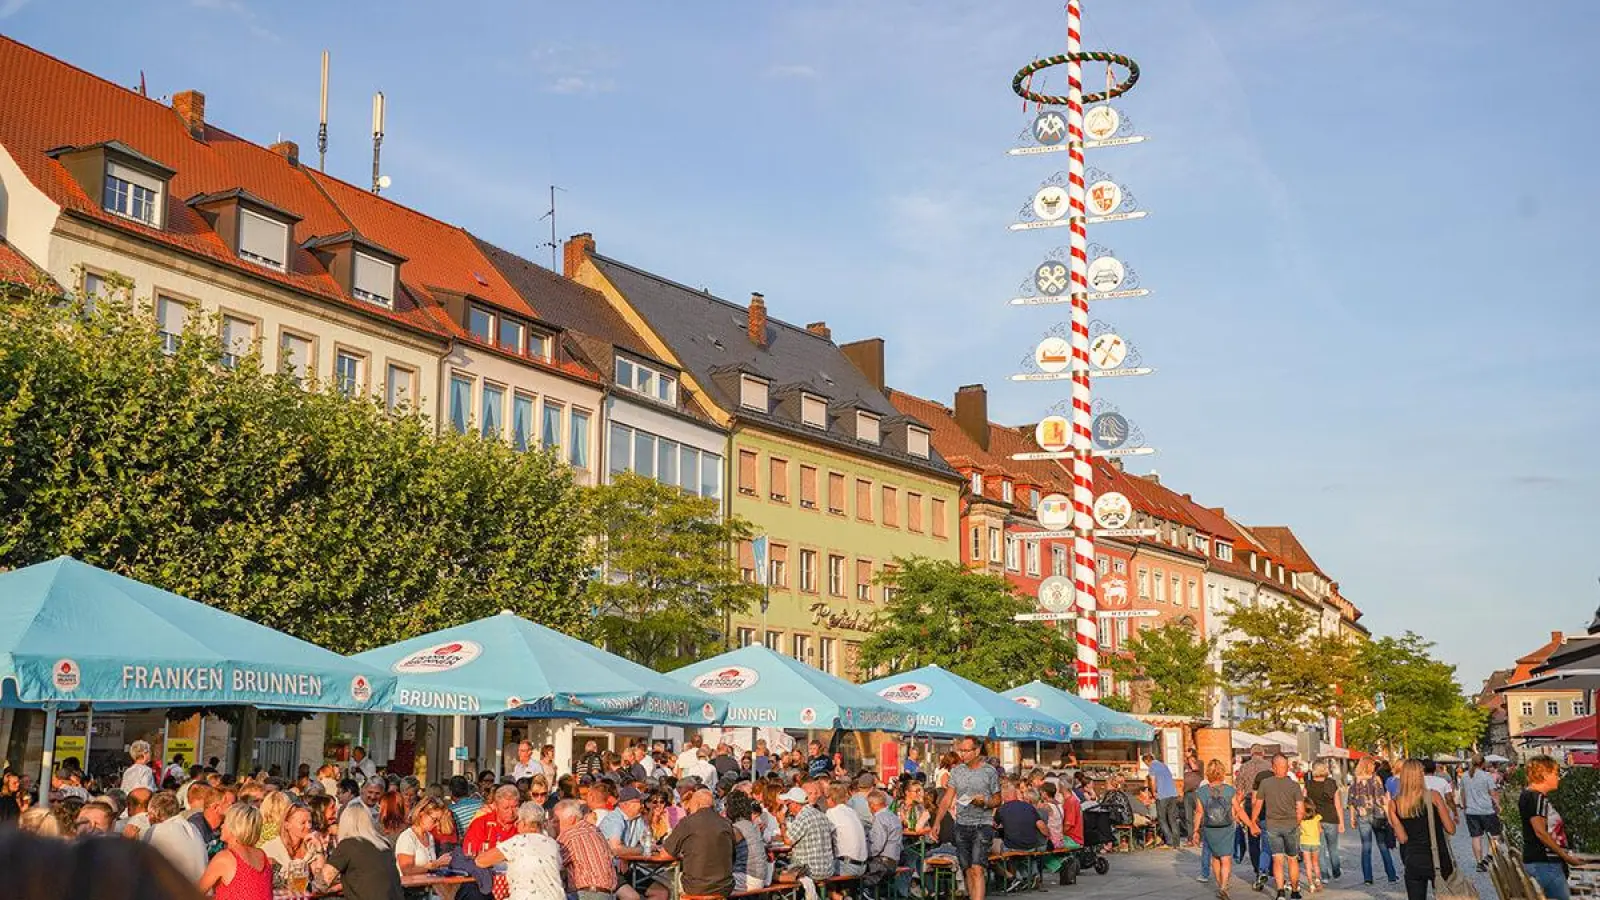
{"points": [[710, 336]]}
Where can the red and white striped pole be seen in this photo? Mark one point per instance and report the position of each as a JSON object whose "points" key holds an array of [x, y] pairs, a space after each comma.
{"points": [[1083, 564]]}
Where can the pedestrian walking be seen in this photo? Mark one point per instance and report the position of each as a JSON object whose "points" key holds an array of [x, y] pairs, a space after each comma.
{"points": [[1369, 811], [1169, 806], [1322, 794], [1480, 796], [1544, 849], [1423, 827], [1217, 816]]}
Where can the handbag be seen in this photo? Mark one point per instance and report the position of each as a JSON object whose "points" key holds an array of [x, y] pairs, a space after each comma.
{"points": [[1455, 887]]}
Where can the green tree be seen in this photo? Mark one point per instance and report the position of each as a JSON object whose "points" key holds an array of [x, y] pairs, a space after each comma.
{"points": [[1287, 672], [1176, 662], [670, 580], [321, 515], [1423, 710], [943, 614]]}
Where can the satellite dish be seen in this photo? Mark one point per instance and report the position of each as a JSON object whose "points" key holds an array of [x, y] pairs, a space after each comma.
{"points": [[384, 181]]}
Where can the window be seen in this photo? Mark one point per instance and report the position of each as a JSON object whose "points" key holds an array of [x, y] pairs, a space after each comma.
{"points": [[1030, 555], [977, 483], [578, 441], [747, 472], [296, 357], [492, 410], [399, 388], [94, 290], [480, 324], [778, 565], [510, 337], [836, 493], [522, 422], [348, 372], [171, 318], [1527, 707], [1224, 552], [1176, 587], [1013, 553], [913, 512], [624, 373], [1102, 565], [863, 500], [1552, 707], [835, 575], [867, 427], [747, 562], [132, 194], [1579, 708], [551, 430], [646, 381], [541, 346], [1058, 560], [460, 403], [813, 411], [374, 280], [889, 590], [710, 475], [917, 442], [744, 637], [1033, 498], [775, 641], [939, 523], [808, 571], [864, 580], [753, 393], [1005, 491], [1119, 566], [778, 479], [891, 506], [238, 336], [1143, 582], [977, 543], [1192, 594], [826, 658], [802, 647], [994, 544], [808, 487], [263, 240], [644, 453], [667, 461], [1160, 588]]}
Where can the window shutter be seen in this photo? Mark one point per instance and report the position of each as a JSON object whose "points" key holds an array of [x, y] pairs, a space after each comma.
{"points": [[808, 486], [263, 238], [374, 276], [747, 471]]}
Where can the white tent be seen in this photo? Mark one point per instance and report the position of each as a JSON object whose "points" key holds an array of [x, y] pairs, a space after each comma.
{"points": [[1244, 740], [1288, 742]]}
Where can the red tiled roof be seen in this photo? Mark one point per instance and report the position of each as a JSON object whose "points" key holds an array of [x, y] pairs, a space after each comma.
{"points": [[18, 269], [1286, 548], [961, 451], [1526, 664]]}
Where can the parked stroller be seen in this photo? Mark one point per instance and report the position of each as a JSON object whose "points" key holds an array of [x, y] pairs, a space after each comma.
{"points": [[1097, 833]]}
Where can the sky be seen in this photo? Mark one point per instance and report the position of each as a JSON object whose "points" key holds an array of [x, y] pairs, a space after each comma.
{"points": [[1370, 240]]}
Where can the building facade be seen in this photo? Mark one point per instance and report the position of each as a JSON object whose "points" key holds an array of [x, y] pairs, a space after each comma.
{"points": [[1536, 707]]}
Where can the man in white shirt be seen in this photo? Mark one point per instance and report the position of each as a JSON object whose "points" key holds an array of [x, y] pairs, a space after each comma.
{"points": [[702, 768], [176, 837], [361, 766], [850, 838], [139, 775], [526, 766]]}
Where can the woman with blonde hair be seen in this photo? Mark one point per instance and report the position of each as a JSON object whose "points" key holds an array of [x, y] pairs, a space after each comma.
{"points": [[1218, 812], [415, 851], [1423, 832], [273, 808], [241, 871]]}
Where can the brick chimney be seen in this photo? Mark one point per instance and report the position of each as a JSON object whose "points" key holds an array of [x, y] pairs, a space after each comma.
{"points": [[288, 150], [758, 319], [821, 330], [191, 109], [575, 251], [1153, 477], [1557, 637], [867, 356], [972, 412]]}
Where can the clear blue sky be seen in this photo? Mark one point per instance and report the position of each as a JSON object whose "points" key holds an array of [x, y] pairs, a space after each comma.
{"points": [[1371, 232]]}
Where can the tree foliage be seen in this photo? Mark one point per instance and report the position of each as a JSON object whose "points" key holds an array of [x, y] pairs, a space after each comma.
{"points": [[1176, 662], [1288, 673], [670, 580], [962, 621], [1423, 711], [317, 514]]}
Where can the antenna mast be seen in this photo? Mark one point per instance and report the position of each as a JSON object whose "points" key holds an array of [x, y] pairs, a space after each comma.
{"points": [[377, 139], [551, 215], [322, 120]]}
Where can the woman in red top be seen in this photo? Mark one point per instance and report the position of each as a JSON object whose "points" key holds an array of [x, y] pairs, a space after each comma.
{"points": [[240, 871]]}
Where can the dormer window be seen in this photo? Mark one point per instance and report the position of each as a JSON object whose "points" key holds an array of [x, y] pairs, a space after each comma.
{"points": [[867, 425], [373, 280], [263, 240], [1033, 498], [753, 392], [129, 184], [480, 324], [647, 381], [813, 411], [1006, 493], [133, 194], [977, 483], [1224, 551], [917, 442]]}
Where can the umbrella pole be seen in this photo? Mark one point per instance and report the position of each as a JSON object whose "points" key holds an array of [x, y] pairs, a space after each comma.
{"points": [[499, 746], [88, 737], [48, 757]]}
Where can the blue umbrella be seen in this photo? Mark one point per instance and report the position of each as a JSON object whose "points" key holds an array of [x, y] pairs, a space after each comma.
{"points": [[506, 665], [74, 634], [1098, 722], [769, 689], [949, 705]]}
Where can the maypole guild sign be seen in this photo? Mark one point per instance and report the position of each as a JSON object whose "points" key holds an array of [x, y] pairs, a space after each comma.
{"points": [[1054, 512], [1105, 273], [1112, 510], [1053, 355], [1108, 351], [1051, 278], [1110, 430], [1050, 128], [1099, 123], [1052, 434], [1050, 203], [1057, 595], [1104, 197]]}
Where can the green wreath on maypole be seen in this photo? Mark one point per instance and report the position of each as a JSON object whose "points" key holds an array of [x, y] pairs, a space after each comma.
{"points": [[1020, 83]]}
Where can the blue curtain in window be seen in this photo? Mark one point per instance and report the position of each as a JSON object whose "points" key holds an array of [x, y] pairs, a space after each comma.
{"points": [[460, 403]]}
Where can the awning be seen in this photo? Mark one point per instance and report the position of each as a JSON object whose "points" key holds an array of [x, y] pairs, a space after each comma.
{"points": [[764, 688], [948, 705], [1570, 731]]}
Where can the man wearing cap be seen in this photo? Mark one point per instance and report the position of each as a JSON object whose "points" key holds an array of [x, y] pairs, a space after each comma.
{"points": [[810, 835], [622, 826]]}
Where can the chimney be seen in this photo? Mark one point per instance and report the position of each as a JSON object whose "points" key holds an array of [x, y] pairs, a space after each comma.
{"points": [[867, 356], [821, 330], [1154, 477], [972, 412], [575, 251], [191, 108], [758, 319], [1556, 637], [288, 150]]}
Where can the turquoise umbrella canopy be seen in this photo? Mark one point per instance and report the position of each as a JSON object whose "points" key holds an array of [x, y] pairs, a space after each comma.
{"points": [[764, 688], [948, 705], [1096, 723], [72, 634], [506, 665]]}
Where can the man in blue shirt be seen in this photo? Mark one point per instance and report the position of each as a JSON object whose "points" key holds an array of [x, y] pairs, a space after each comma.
{"points": [[1169, 806]]}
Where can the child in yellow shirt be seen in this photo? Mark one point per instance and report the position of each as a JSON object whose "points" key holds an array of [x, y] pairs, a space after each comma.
{"points": [[1311, 852]]}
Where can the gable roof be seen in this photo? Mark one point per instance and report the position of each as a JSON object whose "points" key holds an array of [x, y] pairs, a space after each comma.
{"points": [[18, 269], [710, 337], [1286, 548]]}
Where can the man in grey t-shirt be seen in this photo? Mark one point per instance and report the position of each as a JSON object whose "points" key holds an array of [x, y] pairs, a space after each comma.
{"points": [[1284, 803], [972, 795]]}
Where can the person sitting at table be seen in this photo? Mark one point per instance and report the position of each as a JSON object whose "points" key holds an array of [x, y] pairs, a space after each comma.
{"points": [[884, 838], [704, 844], [499, 823], [532, 858], [241, 871], [624, 826], [589, 865], [415, 850], [752, 870], [850, 838], [363, 860], [296, 847], [811, 845], [912, 807]]}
